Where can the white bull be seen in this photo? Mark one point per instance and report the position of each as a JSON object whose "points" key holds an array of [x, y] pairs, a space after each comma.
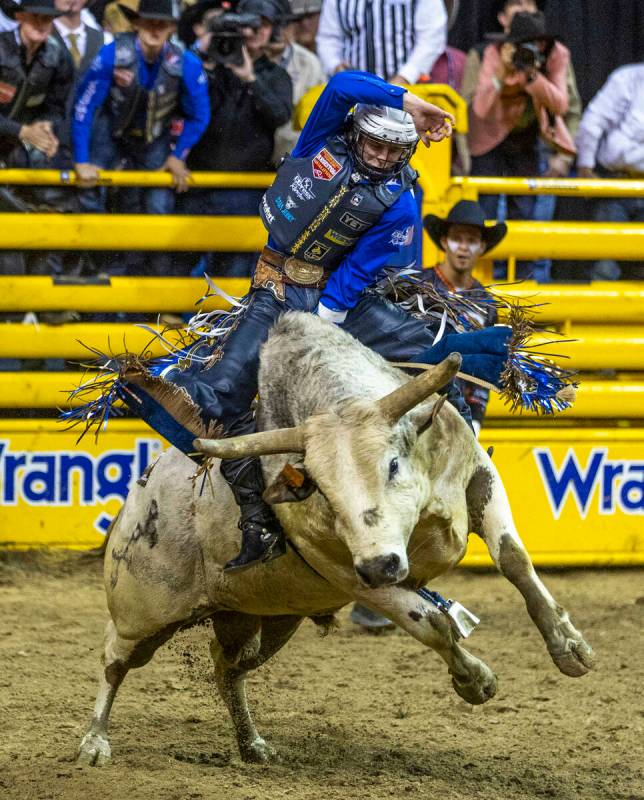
{"points": [[398, 486]]}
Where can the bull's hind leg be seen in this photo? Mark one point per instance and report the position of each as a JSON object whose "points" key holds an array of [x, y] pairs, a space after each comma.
{"points": [[120, 656], [491, 518], [244, 643]]}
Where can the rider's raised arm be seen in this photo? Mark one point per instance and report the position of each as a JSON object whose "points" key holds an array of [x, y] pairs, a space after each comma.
{"points": [[341, 93]]}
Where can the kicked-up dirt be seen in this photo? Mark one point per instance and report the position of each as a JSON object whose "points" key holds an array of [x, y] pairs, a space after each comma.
{"points": [[352, 715]]}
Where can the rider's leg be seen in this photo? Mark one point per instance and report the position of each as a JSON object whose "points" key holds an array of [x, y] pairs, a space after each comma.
{"points": [[397, 336]]}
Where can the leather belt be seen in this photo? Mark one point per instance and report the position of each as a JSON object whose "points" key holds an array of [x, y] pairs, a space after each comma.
{"points": [[295, 271]]}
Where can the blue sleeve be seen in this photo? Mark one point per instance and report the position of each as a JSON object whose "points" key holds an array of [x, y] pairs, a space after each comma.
{"points": [[90, 96], [195, 103], [341, 93], [388, 243]]}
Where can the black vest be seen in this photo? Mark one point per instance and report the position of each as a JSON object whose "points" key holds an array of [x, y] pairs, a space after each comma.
{"points": [[22, 95], [319, 206], [160, 103]]}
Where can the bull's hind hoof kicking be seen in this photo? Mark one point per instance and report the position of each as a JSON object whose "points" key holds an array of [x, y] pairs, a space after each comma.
{"points": [[94, 750]]}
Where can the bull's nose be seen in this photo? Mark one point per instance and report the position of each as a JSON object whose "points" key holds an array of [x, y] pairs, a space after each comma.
{"points": [[381, 571]]}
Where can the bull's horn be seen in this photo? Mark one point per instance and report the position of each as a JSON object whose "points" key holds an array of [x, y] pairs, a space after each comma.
{"points": [[283, 440], [403, 399]]}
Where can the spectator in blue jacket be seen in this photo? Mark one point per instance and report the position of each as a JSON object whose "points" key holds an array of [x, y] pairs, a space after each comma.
{"points": [[139, 83]]}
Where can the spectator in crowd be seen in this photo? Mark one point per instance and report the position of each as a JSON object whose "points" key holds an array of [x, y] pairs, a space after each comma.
{"points": [[520, 94], [610, 144], [82, 40], [305, 71], [305, 22], [139, 83], [464, 238], [396, 41], [449, 67], [35, 79], [251, 100]]}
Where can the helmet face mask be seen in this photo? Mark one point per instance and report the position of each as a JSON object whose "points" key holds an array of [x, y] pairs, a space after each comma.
{"points": [[382, 140]]}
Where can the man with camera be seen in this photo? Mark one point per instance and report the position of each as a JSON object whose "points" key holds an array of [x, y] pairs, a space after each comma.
{"points": [[139, 83], [251, 97], [520, 95]]}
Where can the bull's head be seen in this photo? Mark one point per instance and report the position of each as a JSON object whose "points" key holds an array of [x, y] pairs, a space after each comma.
{"points": [[362, 458]]}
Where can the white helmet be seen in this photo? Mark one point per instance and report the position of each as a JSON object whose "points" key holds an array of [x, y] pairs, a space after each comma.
{"points": [[382, 124]]}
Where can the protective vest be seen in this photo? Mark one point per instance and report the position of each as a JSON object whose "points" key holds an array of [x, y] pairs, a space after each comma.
{"points": [[125, 102], [318, 207], [22, 94]]}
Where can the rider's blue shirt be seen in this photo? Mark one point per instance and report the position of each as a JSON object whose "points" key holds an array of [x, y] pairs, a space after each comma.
{"points": [[390, 241]]}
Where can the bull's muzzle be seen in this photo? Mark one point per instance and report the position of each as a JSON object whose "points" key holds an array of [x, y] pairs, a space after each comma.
{"points": [[382, 571]]}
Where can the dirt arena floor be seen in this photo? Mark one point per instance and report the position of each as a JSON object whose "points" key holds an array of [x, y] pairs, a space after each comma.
{"points": [[352, 715]]}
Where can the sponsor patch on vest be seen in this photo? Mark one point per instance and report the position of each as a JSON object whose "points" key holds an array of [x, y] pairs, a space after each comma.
{"points": [[7, 92], [339, 238], [283, 209], [36, 100], [290, 203], [403, 237], [325, 166], [356, 199], [316, 251], [353, 223], [270, 217], [301, 187]]}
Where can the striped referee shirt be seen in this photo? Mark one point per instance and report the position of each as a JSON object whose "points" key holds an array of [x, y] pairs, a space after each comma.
{"points": [[386, 37]]}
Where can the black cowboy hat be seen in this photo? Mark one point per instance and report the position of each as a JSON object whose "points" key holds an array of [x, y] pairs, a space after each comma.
{"points": [[525, 27], [44, 7], [151, 9], [465, 212]]}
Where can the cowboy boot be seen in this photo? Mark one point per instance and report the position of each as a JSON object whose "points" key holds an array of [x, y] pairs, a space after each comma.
{"points": [[262, 535]]}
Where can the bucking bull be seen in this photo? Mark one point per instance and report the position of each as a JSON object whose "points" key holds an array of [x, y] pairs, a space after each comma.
{"points": [[385, 481]]}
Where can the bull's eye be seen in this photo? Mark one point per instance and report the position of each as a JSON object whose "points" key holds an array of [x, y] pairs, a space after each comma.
{"points": [[393, 468]]}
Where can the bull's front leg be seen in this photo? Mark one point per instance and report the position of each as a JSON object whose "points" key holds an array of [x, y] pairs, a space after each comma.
{"points": [[491, 518], [472, 679]]}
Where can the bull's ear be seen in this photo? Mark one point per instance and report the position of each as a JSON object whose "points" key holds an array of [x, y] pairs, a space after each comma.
{"points": [[291, 485], [424, 415]]}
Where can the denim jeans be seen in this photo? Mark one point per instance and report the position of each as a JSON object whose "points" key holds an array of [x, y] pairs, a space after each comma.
{"points": [[129, 153], [618, 209]]}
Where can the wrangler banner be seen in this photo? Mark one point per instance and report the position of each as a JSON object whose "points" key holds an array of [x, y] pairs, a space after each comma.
{"points": [[577, 494]]}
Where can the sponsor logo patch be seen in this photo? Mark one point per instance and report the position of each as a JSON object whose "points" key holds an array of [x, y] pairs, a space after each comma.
{"points": [[403, 237], [301, 187], [7, 92], [283, 209], [270, 217], [339, 238], [356, 199], [316, 251], [353, 223], [290, 203], [325, 166]]}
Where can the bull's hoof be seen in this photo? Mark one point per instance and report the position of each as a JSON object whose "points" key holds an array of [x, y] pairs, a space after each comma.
{"points": [[476, 689], [257, 752], [94, 750], [576, 659]]}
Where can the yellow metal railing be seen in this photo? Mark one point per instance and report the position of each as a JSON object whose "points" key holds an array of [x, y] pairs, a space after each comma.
{"points": [[469, 188], [596, 399], [149, 180]]}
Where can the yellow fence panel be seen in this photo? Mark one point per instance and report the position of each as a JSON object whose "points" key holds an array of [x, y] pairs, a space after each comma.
{"points": [[577, 496]]}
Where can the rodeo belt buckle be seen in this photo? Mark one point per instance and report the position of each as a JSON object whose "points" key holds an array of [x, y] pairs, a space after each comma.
{"points": [[299, 272]]}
